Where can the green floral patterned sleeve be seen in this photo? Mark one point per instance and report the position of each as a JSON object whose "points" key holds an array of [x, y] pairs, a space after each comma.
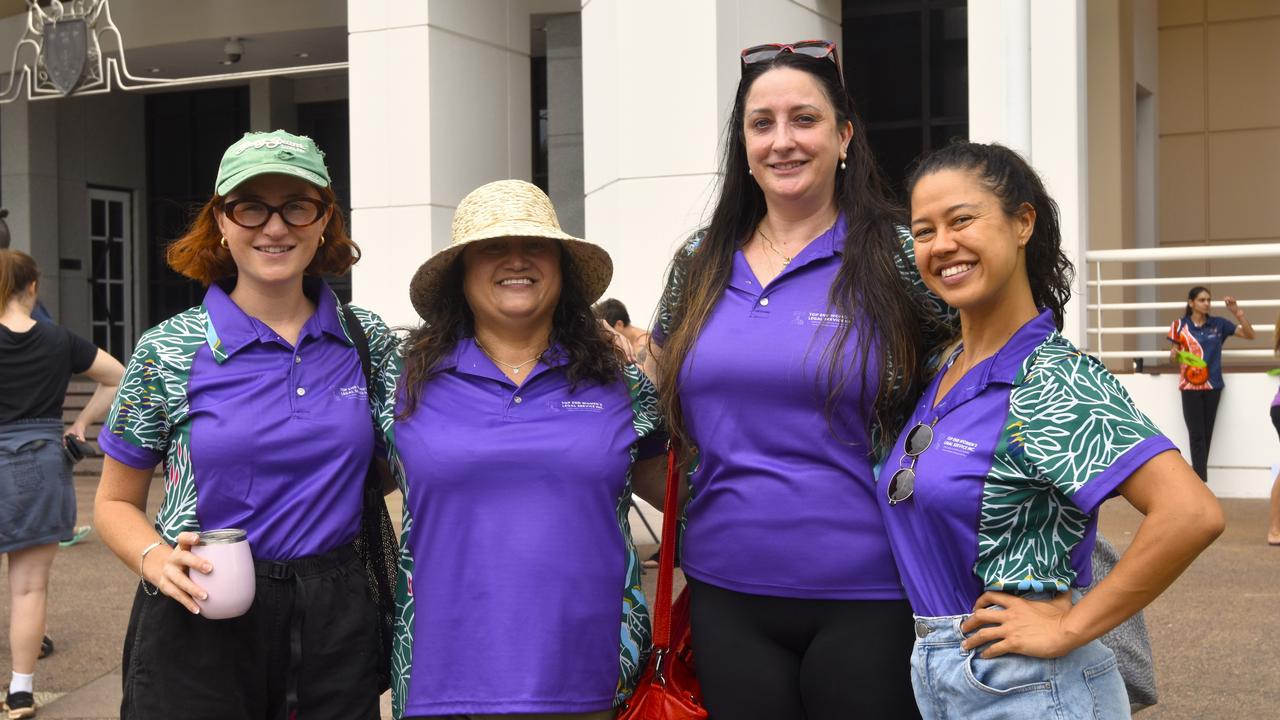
{"points": [[1075, 425], [674, 286]]}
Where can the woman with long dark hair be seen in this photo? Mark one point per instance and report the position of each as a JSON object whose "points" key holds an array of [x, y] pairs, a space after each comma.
{"points": [[1202, 335], [792, 334], [991, 497], [517, 432]]}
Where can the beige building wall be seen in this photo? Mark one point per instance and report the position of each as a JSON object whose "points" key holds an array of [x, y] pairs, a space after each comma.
{"points": [[1219, 146], [1111, 151]]}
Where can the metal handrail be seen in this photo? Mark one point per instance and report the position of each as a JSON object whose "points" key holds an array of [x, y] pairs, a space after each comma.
{"points": [[1200, 252]]}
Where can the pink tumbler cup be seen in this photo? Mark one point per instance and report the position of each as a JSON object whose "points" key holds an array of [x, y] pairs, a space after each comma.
{"points": [[231, 583]]}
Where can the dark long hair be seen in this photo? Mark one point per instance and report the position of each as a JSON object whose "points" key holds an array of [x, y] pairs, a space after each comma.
{"points": [[592, 354], [1191, 295], [868, 288], [1014, 182]]}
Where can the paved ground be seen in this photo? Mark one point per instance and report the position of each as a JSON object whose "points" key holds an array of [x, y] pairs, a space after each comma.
{"points": [[1214, 633]]}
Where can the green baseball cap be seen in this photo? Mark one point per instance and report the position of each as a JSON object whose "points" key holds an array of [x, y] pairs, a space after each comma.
{"points": [[259, 153]]}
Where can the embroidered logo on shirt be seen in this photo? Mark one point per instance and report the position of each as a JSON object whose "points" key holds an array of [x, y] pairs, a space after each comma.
{"points": [[958, 446], [820, 319], [355, 392], [582, 406]]}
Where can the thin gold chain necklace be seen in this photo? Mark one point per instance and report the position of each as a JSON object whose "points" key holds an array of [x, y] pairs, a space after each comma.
{"points": [[786, 260], [515, 369]]}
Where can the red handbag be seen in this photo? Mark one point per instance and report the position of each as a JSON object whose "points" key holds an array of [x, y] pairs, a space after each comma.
{"points": [[668, 688]]}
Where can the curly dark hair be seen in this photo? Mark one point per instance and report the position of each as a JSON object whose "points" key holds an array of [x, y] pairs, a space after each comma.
{"points": [[1011, 179], [888, 319], [593, 356]]}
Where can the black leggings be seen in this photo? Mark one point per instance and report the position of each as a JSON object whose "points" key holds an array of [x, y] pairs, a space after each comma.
{"points": [[1199, 410], [1275, 417], [776, 658]]}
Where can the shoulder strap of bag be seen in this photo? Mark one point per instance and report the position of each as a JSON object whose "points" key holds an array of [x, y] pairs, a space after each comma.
{"points": [[361, 341], [667, 552]]}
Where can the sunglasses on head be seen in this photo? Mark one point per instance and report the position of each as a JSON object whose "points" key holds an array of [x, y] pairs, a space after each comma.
{"points": [[820, 49], [903, 482]]}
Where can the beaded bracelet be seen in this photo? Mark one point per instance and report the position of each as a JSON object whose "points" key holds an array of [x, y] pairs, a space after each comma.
{"points": [[142, 570]]}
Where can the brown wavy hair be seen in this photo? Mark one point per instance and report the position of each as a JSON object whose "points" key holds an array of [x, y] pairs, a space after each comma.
{"points": [[200, 256], [17, 271], [593, 356]]}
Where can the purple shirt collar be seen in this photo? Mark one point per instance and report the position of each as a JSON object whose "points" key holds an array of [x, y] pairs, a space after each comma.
{"points": [[824, 246], [468, 358], [231, 328], [1004, 365]]}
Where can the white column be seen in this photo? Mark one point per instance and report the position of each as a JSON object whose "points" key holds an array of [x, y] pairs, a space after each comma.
{"points": [[1039, 111], [439, 96], [271, 105], [653, 116], [29, 186], [564, 120]]}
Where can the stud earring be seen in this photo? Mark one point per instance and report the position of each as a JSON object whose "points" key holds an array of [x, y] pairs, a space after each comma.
{"points": [[749, 171], [224, 243], [321, 241]]}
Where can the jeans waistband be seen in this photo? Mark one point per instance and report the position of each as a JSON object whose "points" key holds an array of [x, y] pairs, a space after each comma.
{"points": [[942, 629], [939, 630], [304, 566]]}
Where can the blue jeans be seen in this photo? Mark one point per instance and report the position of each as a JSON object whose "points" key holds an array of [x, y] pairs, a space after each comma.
{"points": [[952, 683]]}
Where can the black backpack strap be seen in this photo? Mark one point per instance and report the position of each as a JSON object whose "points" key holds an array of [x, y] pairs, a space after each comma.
{"points": [[361, 341], [356, 331]]}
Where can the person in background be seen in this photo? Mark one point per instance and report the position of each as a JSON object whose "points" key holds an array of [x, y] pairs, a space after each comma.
{"points": [[991, 497], [37, 496], [518, 433], [1202, 335], [1273, 532], [256, 403], [793, 334], [615, 315], [40, 312]]}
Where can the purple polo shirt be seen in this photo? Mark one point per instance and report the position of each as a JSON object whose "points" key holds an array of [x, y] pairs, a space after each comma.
{"points": [[512, 500], [280, 437], [1025, 448], [780, 505]]}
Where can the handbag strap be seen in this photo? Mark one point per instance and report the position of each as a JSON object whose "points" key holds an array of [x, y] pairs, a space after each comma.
{"points": [[361, 341], [667, 553]]}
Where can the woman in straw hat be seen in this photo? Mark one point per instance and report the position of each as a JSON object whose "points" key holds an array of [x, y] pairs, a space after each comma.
{"points": [[255, 401], [517, 432]]}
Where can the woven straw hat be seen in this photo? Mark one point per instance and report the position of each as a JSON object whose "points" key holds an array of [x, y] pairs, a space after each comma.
{"points": [[509, 208]]}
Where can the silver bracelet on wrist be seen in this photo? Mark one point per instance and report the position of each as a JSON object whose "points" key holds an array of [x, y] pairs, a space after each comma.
{"points": [[142, 570]]}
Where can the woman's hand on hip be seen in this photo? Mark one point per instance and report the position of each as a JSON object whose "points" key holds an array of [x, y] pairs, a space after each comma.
{"points": [[175, 579], [1011, 624]]}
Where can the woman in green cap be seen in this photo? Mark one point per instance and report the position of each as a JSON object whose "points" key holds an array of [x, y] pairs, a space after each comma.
{"points": [[256, 403]]}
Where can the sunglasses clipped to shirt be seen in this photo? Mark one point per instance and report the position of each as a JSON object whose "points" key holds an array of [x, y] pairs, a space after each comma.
{"points": [[820, 49], [903, 482]]}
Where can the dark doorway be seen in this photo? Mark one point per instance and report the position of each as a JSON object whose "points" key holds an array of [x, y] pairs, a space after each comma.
{"points": [[186, 135], [907, 65]]}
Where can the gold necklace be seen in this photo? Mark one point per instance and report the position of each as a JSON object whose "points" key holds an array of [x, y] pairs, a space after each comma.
{"points": [[786, 260], [515, 369]]}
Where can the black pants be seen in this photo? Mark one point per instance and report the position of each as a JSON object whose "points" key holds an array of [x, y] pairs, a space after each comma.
{"points": [[774, 658], [1199, 410], [181, 665], [1275, 417]]}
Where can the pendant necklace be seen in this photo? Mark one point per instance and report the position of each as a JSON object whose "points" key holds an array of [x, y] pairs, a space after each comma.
{"points": [[786, 260], [515, 369]]}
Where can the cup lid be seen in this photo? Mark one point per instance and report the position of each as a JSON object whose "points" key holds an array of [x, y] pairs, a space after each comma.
{"points": [[222, 536]]}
